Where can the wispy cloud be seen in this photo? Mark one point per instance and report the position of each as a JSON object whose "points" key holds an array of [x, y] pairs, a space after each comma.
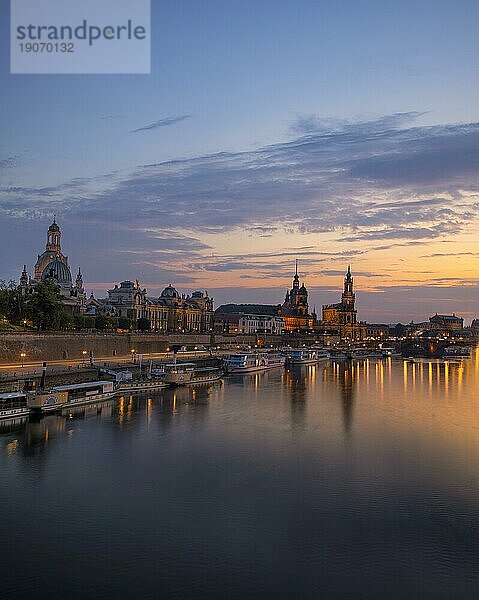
{"points": [[165, 122], [371, 185], [9, 162]]}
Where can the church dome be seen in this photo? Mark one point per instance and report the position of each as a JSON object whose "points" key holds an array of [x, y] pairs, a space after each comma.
{"points": [[59, 271], [169, 292]]}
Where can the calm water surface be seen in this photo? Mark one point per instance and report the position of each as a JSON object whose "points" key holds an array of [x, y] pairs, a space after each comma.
{"points": [[331, 482]]}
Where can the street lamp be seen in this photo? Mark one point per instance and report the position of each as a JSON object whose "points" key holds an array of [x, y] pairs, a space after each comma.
{"points": [[133, 355], [22, 356], [24, 324], [84, 353]]}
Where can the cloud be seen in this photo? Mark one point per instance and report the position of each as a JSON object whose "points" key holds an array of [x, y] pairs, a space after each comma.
{"points": [[333, 273], [9, 162], [372, 185], [165, 122]]}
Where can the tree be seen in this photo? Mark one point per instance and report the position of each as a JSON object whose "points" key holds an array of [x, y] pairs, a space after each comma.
{"points": [[101, 322], [12, 302], [124, 323], [143, 324], [43, 306]]}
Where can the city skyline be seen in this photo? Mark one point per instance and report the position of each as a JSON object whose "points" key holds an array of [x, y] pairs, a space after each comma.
{"points": [[53, 261], [223, 166]]}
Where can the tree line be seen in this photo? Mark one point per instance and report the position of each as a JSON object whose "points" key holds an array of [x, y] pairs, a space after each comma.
{"points": [[42, 308]]}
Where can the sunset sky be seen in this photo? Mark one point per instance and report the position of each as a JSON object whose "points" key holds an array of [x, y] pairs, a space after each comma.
{"points": [[333, 132]]}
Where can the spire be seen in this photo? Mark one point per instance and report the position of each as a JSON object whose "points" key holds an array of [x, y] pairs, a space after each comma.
{"points": [[79, 282], [349, 277], [24, 279], [296, 276]]}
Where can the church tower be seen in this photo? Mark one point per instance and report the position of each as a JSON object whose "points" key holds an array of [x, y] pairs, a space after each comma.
{"points": [[53, 238], [24, 278], [295, 309], [296, 277], [79, 283], [348, 299]]}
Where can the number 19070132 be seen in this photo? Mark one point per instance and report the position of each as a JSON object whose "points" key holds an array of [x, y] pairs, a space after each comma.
{"points": [[39, 47]]}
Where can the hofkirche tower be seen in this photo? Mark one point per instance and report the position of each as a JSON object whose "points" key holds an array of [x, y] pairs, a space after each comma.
{"points": [[348, 299], [342, 317]]}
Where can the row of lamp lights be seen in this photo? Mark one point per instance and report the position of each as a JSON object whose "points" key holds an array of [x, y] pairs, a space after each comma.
{"points": [[84, 353]]}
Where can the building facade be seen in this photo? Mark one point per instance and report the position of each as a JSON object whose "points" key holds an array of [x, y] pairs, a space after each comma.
{"points": [[295, 309], [248, 319], [52, 265], [174, 312], [171, 312], [342, 316], [129, 300]]}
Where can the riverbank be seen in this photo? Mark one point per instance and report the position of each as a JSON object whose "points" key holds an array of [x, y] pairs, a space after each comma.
{"points": [[76, 346]]}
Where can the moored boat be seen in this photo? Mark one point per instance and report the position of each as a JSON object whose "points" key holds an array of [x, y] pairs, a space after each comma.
{"points": [[321, 353], [189, 373], [457, 352], [65, 396], [251, 361], [206, 375], [363, 353], [301, 356], [141, 385], [13, 404], [390, 353]]}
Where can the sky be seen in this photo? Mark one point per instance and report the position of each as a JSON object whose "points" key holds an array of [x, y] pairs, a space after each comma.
{"points": [[332, 132]]}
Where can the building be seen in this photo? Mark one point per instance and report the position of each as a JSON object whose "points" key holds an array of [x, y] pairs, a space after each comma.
{"points": [[447, 322], [295, 309], [475, 327], [342, 316], [248, 319], [171, 312], [377, 331], [129, 300], [52, 265], [174, 312], [438, 325]]}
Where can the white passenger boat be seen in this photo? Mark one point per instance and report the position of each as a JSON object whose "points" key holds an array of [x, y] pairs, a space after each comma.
{"points": [[363, 353], [457, 352], [338, 355], [251, 361], [390, 353], [321, 353], [301, 356], [65, 396], [13, 404]]}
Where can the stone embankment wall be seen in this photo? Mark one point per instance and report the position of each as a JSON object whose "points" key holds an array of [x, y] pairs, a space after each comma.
{"points": [[70, 346]]}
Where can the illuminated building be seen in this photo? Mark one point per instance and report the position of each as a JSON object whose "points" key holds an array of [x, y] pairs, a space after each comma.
{"points": [[52, 265]]}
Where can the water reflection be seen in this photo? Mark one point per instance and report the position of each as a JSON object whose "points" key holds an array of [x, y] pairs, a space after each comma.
{"points": [[301, 385], [297, 380], [248, 489], [346, 376]]}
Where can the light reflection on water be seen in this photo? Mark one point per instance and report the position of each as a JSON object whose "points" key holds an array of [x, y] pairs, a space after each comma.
{"points": [[335, 481]]}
